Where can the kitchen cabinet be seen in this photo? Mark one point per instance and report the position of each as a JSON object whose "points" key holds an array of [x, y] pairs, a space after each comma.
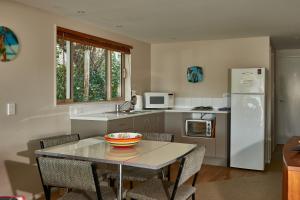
{"points": [[147, 123], [88, 128], [117, 125], [217, 148]]}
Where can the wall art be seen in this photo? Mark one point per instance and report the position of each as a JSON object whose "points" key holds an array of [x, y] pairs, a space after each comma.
{"points": [[9, 44], [194, 74]]}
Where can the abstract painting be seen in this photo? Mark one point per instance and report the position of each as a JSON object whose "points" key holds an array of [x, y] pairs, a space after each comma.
{"points": [[9, 45], [194, 74]]}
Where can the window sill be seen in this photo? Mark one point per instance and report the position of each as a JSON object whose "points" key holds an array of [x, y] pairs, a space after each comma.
{"points": [[65, 103]]}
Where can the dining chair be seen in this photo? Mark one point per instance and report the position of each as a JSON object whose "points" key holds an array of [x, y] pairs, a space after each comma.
{"points": [[157, 189], [102, 168], [139, 174], [57, 140], [76, 174]]}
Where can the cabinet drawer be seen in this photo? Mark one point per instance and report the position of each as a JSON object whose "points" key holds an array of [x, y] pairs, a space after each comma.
{"points": [[117, 125]]}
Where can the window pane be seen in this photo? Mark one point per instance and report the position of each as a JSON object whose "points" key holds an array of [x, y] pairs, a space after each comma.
{"points": [[89, 73], [98, 66], [116, 75], [60, 70]]}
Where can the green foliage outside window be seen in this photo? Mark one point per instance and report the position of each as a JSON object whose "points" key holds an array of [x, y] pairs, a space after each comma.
{"points": [[116, 58], [60, 74], [97, 73], [96, 88]]}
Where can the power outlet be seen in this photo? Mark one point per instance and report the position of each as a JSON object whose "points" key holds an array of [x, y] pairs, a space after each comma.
{"points": [[10, 109]]}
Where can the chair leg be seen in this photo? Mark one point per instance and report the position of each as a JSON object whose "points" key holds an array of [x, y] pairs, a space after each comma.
{"points": [[131, 184], [111, 182], [169, 173], [47, 192], [194, 196]]}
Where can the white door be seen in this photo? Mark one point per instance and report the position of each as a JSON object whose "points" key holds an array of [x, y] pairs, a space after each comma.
{"points": [[247, 131], [248, 80], [287, 95]]}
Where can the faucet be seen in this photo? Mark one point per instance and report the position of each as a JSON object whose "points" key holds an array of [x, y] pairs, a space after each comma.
{"points": [[130, 105], [119, 107]]}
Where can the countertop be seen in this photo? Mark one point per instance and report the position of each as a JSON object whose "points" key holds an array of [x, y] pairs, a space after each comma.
{"points": [[112, 116], [291, 158], [189, 110]]}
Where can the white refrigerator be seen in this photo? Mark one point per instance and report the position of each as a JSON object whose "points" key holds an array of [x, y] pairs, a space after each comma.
{"points": [[247, 138]]}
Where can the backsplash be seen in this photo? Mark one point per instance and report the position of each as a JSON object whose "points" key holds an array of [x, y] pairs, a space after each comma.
{"points": [[90, 108], [186, 102], [180, 102]]}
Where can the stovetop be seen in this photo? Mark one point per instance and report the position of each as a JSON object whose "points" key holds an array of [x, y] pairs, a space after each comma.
{"points": [[203, 108]]}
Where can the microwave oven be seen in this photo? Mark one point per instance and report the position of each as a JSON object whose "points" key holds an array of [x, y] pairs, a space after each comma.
{"points": [[200, 127], [160, 100]]}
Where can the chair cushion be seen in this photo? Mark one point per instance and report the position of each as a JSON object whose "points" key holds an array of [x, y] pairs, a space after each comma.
{"points": [[106, 193], [154, 189]]}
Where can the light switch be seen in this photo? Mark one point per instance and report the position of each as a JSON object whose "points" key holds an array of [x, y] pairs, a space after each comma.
{"points": [[11, 109]]}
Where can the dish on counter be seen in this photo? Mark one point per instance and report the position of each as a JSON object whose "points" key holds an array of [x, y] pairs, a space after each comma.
{"points": [[123, 139]]}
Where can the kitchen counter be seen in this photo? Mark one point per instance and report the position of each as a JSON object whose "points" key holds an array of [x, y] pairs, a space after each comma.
{"points": [[159, 121], [112, 116], [106, 116]]}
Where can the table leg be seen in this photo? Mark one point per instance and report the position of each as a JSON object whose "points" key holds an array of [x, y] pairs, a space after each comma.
{"points": [[120, 182]]}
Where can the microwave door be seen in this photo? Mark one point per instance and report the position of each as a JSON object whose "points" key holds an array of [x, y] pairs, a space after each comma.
{"points": [[158, 101], [196, 129]]}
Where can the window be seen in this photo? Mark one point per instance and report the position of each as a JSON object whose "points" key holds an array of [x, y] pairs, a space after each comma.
{"points": [[88, 68]]}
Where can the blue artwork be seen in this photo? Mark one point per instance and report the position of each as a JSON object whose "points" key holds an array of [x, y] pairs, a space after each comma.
{"points": [[194, 74], [9, 45]]}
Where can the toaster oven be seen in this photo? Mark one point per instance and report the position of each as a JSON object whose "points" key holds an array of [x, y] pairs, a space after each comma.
{"points": [[200, 127]]}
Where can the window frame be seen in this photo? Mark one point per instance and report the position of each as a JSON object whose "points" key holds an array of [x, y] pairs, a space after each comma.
{"points": [[89, 40]]}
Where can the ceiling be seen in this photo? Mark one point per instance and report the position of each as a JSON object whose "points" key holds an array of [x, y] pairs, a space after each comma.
{"points": [[158, 21]]}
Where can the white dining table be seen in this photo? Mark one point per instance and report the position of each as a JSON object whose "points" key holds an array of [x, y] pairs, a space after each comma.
{"points": [[146, 154]]}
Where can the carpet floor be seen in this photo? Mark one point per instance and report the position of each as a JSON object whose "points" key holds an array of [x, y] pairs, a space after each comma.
{"points": [[260, 187], [265, 185]]}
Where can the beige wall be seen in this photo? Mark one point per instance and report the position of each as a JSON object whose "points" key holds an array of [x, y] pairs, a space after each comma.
{"points": [[29, 82], [169, 62]]}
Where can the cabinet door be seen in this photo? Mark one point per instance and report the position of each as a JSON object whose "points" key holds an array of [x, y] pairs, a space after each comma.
{"points": [[149, 123], [118, 125], [222, 126], [142, 124], [157, 122]]}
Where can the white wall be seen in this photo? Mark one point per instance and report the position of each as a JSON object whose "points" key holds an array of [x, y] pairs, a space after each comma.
{"points": [[29, 82], [287, 94]]}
